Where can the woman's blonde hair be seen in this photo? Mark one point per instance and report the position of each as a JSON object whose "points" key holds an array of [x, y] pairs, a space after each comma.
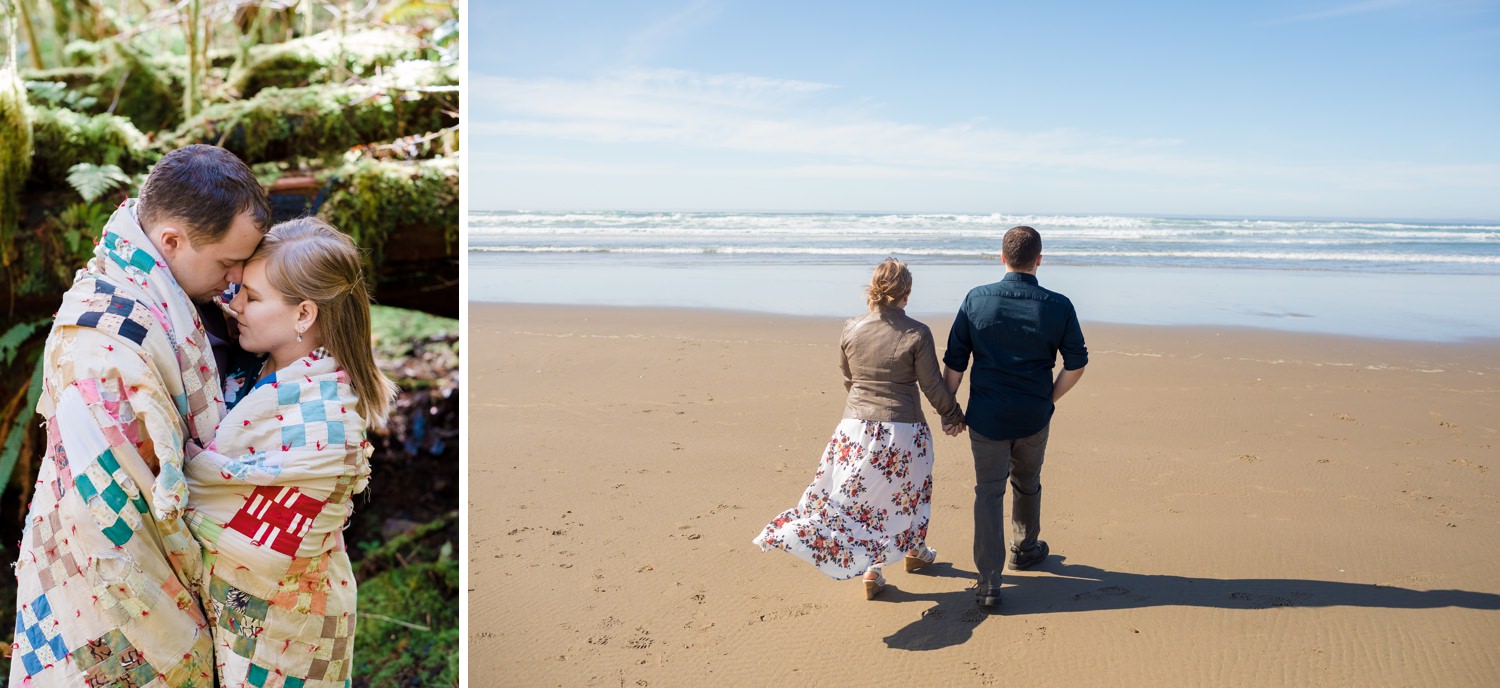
{"points": [[890, 283], [307, 259]]}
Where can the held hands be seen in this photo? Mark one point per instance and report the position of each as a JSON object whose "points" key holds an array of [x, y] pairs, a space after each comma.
{"points": [[954, 429]]}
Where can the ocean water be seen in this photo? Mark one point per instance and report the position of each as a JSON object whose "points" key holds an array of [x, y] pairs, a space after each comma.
{"points": [[1397, 279], [830, 238]]}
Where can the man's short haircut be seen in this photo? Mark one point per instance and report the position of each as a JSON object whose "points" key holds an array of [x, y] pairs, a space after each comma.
{"points": [[204, 188], [1022, 247]]}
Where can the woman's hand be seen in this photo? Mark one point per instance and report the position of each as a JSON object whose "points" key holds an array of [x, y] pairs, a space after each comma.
{"points": [[192, 449], [954, 430]]}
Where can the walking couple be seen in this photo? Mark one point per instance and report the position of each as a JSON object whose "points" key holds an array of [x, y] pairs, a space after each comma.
{"points": [[186, 529], [870, 499]]}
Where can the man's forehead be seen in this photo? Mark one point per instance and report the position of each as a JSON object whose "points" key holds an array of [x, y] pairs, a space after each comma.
{"points": [[240, 242]]}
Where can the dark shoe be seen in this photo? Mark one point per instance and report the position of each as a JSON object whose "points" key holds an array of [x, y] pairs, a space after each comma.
{"points": [[1029, 558], [987, 597]]}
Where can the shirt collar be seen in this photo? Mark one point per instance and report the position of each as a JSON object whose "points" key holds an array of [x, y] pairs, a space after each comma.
{"points": [[1019, 277]]}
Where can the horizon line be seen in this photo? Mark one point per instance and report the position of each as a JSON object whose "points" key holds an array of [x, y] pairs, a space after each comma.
{"points": [[1196, 216]]}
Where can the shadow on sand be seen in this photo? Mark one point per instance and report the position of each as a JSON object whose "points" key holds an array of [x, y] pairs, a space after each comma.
{"points": [[1079, 588]]}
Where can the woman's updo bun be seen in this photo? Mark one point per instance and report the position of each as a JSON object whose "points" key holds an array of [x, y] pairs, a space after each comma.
{"points": [[890, 283]]}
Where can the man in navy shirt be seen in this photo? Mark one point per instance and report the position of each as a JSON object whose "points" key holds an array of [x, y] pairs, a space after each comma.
{"points": [[1014, 329]]}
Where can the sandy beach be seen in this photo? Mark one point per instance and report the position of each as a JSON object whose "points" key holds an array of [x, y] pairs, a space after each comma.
{"points": [[1225, 507]]}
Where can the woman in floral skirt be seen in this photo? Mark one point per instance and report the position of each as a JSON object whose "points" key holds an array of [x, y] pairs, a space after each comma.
{"points": [[870, 498]]}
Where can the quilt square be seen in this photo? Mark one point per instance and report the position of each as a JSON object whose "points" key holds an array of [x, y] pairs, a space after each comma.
{"points": [[329, 659], [276, 517], [118, 315], [241, 614], [117, 510], [303, 589], [128, 256], [59, 564], [111, 660], [308, 418], [41, 634]]}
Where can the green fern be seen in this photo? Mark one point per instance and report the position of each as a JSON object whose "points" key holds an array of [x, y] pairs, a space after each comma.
{"points": [[10, 453], [57, 94], [92, 181], [11, 341]]}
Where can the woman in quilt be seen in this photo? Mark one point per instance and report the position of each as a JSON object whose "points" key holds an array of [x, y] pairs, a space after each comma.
{"points": [[870, 498], [269, 497]]}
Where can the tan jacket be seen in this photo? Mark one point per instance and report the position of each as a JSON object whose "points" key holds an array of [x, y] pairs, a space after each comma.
{"points": [[885, 356]]}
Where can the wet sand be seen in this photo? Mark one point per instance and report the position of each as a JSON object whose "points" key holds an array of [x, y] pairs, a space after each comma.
{"points": [[1225, 507]]}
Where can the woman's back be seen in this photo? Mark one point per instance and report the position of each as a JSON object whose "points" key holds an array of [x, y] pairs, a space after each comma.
{"points": [[886, 355]]}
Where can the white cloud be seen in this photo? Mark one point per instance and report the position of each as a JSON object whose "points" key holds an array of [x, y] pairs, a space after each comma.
{"points": [[770, 116], [734, 124]]}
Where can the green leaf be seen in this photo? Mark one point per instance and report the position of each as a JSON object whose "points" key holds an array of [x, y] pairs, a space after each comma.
{"points": [[11, 452], [92, 181], [11, 341]]}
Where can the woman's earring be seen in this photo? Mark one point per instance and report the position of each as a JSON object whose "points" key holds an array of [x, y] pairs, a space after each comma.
{"points": [[299, 334]]}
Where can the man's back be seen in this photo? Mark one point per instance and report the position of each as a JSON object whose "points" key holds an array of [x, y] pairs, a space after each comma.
{"points": [[1014, 329]]}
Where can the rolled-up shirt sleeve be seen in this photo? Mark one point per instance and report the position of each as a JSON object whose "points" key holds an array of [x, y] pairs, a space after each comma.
{"points": [[960, 345], [1075, 353]]}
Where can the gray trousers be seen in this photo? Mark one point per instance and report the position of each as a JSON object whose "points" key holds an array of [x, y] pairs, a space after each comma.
{"points": [[995, 462]]}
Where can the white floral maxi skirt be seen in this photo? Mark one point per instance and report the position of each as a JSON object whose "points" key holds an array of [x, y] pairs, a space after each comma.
{"points": [[868, 503]]}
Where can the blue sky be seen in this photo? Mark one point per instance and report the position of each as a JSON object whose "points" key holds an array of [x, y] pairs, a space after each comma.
{"points": [[1371, 108]]}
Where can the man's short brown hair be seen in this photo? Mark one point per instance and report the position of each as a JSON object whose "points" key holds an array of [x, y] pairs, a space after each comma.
{"points": [[1022, 247], [204, 188]]}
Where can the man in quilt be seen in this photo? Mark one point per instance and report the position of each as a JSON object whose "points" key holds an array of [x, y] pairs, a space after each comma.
{"points": [[107, 573]]}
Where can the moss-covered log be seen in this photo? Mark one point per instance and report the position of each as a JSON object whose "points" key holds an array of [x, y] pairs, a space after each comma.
{"points": [[143, 89], [317, 121], [65, 138], [407, 215], [323, 58]]}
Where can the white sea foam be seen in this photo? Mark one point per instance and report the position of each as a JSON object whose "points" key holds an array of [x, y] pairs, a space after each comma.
{"points": [[1226, 256], [1081, 239]]}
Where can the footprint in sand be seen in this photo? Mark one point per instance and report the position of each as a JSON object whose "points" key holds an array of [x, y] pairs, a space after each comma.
{"points": [[641, 641], [1344, 416], [973, 616], [1249, 458], [985, 679], [1469, 464], [794, 612]]}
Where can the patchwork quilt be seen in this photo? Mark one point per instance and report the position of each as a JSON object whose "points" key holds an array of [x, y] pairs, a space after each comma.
{"points": [[108, 572], [270, 498]]}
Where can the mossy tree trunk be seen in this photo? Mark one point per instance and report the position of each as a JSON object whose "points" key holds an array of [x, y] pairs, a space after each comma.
{"points": [[15, 154], [63, 29], [195, 38]]}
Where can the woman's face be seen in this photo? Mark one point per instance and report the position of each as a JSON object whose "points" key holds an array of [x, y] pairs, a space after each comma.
{"points": [[267, 322]]}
